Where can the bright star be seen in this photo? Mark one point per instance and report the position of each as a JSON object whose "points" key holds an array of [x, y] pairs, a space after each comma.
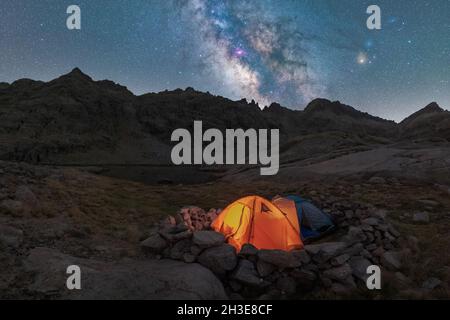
{"points": [[239, 53], [362, 58]]}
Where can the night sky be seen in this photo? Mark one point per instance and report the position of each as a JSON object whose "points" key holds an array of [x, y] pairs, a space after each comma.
{"points": [[284, 51]]}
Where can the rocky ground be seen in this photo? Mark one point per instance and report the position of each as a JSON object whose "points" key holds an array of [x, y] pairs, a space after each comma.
{"points": [[122, 236]]}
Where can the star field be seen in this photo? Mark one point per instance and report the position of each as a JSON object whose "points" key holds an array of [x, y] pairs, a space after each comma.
{"points": [[284, 51]]}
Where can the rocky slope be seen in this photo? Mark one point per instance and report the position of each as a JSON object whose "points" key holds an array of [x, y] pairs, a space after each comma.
{"points": [[117, 232], [429, 122]]}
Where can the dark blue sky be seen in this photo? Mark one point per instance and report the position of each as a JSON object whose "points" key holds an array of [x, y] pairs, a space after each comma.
{"points": [[288, 51]]}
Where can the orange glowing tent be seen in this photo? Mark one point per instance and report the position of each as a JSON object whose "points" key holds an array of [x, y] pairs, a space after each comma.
{"points": [[259, 222]]}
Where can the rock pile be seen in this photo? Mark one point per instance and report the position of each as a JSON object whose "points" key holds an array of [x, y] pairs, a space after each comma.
{"points": [[363, 238], [194, 218]]}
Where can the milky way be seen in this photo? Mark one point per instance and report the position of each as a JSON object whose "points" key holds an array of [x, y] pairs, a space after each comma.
{"points": [[254, 54]]}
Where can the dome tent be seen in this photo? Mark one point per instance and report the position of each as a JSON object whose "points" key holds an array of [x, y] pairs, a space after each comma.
{"points": [[257, 221], [313, 221]]}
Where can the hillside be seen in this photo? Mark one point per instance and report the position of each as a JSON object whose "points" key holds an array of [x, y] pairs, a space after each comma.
{"points": [[429, 122]]}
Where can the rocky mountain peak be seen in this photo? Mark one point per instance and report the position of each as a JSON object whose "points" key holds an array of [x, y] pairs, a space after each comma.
{"points": [[429, 109], [76, 73], [326, 107], [335, 107], [276, 108], [317, 104], [320, 104], [82, 84]]}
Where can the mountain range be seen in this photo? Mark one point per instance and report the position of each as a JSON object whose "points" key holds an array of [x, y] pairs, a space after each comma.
{"points": [[74, 120]]}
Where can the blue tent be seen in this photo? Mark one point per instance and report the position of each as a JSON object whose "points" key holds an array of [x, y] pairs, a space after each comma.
{"points": [[313, 221]]}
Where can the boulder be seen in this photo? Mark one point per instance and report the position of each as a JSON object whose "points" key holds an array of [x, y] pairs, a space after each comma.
{"points": [[178, 228], [151, 279], [326, 250], [366, 254], [367, 228], [382, 227], [370, 221], [331, 248], [206, 239], [279, 258], [355, 249], [380, 214], [196, 250], [188, 257], [236, 296], [219, 259], [389, 236], [302, 256], [286, 285], [154, 244], [305, 279], [10, 236], [359, 267], [355, 235], [248, 250], [392, 260], [340, 260], [264, 268], [272, 294], [393, 231], [175, 233], [246, 274], [180, 248], [341, 273]]}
